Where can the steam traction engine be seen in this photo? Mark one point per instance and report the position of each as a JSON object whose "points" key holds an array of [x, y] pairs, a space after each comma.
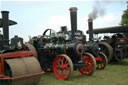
{"points": [[94, 48], [17, 67], [116, 45], [62, 52], [90, 46]]}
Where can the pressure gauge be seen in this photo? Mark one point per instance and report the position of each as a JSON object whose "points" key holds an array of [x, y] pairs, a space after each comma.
{"points": [[66, 37]]}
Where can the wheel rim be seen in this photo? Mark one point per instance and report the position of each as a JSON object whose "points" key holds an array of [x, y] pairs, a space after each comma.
{"points": [[90, 65], [104, 50], [118, 55], [62, 67], [107, 50], [102, 64]]}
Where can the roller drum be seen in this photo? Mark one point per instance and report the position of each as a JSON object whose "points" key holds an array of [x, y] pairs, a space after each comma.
{"points": [[24, 66]]}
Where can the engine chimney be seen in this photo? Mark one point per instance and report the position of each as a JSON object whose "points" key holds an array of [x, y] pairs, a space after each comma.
{"points": [[5, 22], [63, 28], [73, 17], [90, 29]]}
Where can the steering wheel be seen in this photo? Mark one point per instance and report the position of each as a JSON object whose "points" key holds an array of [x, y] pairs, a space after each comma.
{"points": [[48, 33], [45, 33]]}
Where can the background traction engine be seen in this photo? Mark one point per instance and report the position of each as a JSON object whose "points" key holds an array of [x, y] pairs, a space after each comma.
{"points": [[93, 47], [17, 67], [116, 45]]}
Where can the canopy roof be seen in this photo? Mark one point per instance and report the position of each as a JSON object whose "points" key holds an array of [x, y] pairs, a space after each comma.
{"points": [[115, 29]]}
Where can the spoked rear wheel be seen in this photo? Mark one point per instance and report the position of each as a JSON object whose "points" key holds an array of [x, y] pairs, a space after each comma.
{"points": [[90, 65], [104, 61], [62, 67], [107, 50], [118, 55]]}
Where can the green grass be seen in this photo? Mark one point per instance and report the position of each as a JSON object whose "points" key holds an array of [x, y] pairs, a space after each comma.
{"points": [[113, 74]]}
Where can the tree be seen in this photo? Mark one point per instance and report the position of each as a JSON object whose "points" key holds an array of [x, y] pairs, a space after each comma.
{"points": [[124, 20]]}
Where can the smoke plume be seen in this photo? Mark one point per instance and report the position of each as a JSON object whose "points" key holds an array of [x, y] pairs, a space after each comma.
{"points": [[98, 10], [99, 7]]}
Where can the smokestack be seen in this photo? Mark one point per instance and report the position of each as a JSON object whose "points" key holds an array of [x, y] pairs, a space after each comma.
{"points": [[90, 29], [5, 22], [73, 17], [63, 28]]}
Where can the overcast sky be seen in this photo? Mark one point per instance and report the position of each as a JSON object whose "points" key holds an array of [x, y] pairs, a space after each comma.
{"points": [[34, 16]]}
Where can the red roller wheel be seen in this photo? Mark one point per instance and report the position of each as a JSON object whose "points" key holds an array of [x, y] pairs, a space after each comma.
{"points": [[104, 61], [62, 67], [90, 65]]}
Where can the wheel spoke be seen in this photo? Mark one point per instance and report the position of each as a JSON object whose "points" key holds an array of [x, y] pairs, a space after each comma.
{"points": [[89, 65], [58, 63], [67, 72], [68, 68], [61, 73], [62, 60], [66, 62], [62, 67]]}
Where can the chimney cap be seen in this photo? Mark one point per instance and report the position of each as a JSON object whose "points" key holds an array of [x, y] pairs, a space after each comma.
{"points": [[64, 28], [4, 11], [73, 9], [90, 20], [15, 36]]}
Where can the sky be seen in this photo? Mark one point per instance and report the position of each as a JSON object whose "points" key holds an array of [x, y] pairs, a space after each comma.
{"points": [[35, 16]]}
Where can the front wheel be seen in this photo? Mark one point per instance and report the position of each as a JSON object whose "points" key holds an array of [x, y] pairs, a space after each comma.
{"points": [[104, 61], [62, 67], [90, 64]]}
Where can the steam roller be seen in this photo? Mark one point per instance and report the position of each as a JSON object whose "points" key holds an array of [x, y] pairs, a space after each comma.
{"points": [[17, 67]]}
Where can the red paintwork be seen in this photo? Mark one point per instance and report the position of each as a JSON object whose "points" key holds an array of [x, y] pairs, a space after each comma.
{"points": [[101, 61], [63, 64], [98, 59], [77, 49], [19, 54], [26, 76], [88, 69]]}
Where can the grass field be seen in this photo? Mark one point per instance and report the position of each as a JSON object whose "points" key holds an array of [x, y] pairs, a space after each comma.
{"points": [[113, 74]]}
